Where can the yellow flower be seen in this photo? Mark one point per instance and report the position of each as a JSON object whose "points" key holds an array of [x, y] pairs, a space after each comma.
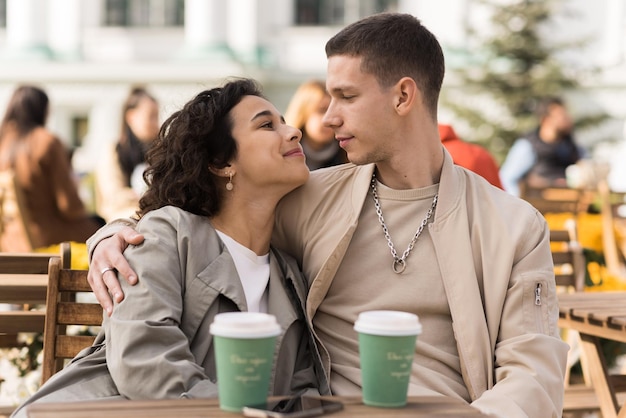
{"points": [[603, 280]]}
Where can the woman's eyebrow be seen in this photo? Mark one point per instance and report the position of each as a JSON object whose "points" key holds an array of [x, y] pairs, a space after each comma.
{"points": [[266, 113], [261, 114]]}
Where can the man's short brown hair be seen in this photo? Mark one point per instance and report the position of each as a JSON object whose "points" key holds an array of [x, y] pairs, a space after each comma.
{"points": [[392, 46]]}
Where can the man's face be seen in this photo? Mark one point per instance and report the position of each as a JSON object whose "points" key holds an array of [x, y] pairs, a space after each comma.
{"points": [[360, 112], [560, 120]]}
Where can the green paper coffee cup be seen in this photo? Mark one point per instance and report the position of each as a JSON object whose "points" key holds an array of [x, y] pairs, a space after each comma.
{"points": [[244, 355], [386, 350]]}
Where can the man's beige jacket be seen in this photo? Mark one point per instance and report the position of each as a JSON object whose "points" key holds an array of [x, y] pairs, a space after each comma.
{"points": [[493, 252]]}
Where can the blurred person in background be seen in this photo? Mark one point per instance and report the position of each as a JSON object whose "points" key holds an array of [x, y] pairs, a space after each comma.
{"points": [[305, 112], [43, 173], [119, 174], [539, 158], [471, 156], [617, 166]]}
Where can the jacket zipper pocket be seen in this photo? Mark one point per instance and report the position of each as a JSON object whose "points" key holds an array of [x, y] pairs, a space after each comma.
{"points": [[538, 307], [538, 294]]}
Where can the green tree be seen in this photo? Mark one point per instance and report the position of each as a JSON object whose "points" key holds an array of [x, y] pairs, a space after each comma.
{"points": [[512, 67]]}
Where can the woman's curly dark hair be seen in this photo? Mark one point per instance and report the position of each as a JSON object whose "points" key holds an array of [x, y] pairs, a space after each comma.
{"points": [[190, 141]]}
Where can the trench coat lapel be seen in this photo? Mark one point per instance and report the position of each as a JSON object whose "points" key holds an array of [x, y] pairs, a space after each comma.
{"points": [[280, 302], [220, 277]]}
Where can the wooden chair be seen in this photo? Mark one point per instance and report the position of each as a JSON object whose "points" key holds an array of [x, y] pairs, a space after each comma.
{"points": [[23, 282], [553, 199], [570, 267], [14, 215], [568, 258], [62, 310], [613, 212], [569, 272]]}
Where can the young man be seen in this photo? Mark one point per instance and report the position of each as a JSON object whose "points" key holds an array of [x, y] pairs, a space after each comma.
{"points": [[539, 158], [477, 267]]}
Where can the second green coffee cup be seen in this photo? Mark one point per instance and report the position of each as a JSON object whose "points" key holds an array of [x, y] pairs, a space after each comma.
{"points": [[244, 354], [386, 350]]}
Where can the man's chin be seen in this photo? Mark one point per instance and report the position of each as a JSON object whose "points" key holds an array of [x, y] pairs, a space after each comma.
{"points": [[358, 160]]}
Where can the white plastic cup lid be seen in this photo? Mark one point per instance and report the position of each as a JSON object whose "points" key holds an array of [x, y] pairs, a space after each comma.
{"points": [[388, 323], [245, 325]]}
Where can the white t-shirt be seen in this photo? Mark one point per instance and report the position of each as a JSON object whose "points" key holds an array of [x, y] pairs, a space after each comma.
{"points": [[253, 270]]}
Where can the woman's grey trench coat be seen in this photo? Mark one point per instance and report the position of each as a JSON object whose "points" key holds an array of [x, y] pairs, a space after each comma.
{"points": [[157, 343]]}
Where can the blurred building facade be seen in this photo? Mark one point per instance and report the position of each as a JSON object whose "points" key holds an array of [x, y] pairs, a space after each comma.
{"points": [[87, 53]]}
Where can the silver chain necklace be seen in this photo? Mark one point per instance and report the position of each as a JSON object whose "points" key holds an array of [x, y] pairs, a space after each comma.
{"points": [[399, 263]]}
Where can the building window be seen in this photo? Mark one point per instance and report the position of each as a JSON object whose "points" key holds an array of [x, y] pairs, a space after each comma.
{"points": [[80, 127], [3, 13], [339, 12], [144, 13]]}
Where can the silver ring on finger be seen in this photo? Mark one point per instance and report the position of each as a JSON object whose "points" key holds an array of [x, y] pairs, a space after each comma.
{"points": [[104, 270]]}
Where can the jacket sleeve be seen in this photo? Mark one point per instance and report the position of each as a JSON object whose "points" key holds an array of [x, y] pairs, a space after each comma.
{"points": [[529, 355], [148, 354], [518, 162], [108, 231]]}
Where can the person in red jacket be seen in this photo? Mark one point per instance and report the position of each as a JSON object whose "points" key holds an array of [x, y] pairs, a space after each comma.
{"points": [[471, 156]]}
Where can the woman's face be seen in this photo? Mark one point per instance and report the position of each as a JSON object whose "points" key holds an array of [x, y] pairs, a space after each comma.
{"points": [[269, 155], [144, 119], [317, 134]]}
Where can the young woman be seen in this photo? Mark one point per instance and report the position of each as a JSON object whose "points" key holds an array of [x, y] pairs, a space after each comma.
{"points": [[118, 192], [43, 173], [216, 173], [305, 111]]}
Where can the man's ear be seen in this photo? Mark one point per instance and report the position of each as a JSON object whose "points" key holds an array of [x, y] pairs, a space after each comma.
{"points": [[407, 95]]}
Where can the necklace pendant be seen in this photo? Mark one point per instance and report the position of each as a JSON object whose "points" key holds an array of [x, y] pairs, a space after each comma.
{"points": [[399, 265]]}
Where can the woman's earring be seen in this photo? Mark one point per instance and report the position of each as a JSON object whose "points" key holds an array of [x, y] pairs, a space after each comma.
{"points": [[229, 185]]}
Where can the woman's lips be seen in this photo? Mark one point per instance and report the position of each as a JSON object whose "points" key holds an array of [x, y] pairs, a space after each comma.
{"points": [[294, 152]]}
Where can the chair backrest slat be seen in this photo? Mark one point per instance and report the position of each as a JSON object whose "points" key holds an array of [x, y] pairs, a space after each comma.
{"points": [[73, 281], [614, 251], [14, 322], [553, 199], [568, 258], [24, 263], [23, 283], [68, 346], [73, 313], [61, 311]]}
